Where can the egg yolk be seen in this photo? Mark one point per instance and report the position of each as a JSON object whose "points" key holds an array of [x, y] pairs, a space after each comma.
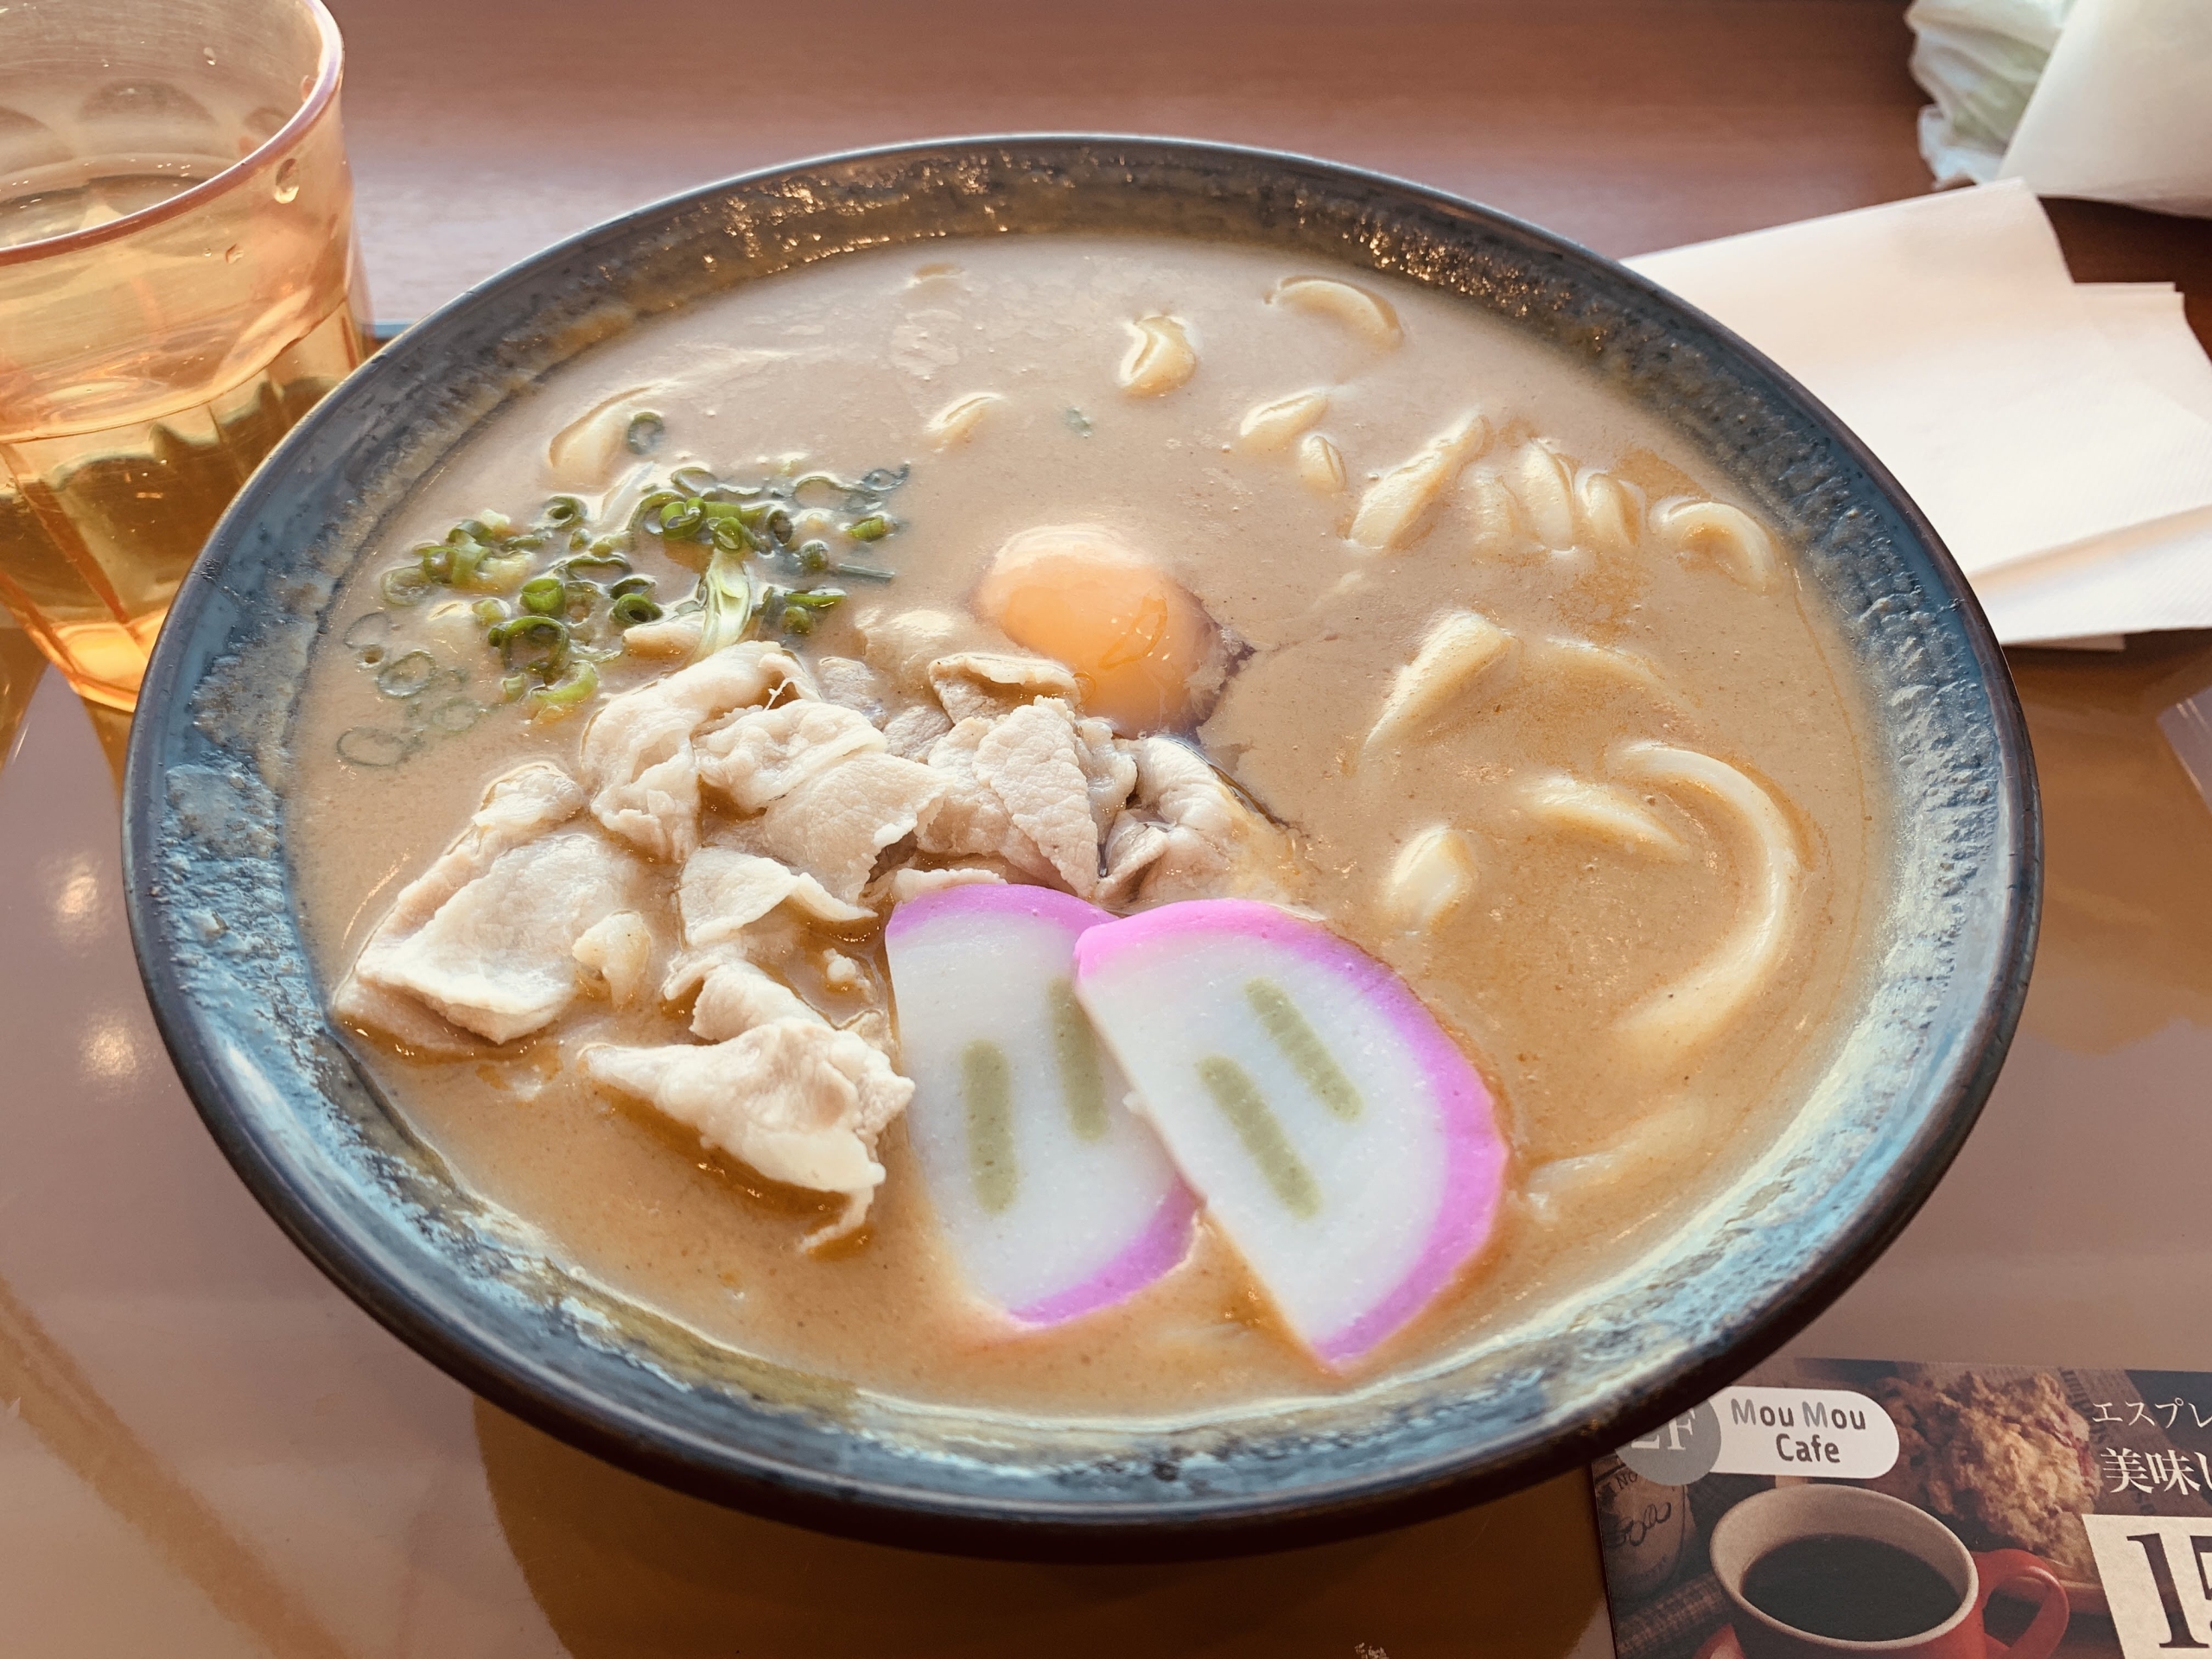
{"points": [[1132, 633]]}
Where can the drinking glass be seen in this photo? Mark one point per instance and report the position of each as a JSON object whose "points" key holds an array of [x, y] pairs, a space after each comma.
{"points": [[179, 284]]}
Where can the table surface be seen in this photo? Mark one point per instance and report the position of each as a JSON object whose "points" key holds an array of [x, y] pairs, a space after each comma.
{"points": [[205, 1450]]}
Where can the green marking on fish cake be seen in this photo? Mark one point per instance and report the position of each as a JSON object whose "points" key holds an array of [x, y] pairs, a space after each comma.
{"points": [[1241, 1104], [987, 1085], [1081, 1081], [1301, 1046]]}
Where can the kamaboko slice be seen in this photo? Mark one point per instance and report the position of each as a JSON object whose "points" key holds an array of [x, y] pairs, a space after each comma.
{"points": [[1338, 1137], [1056, 1199]]}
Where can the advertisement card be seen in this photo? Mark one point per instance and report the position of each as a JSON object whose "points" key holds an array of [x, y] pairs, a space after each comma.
{"points": [[1937, 1511]]}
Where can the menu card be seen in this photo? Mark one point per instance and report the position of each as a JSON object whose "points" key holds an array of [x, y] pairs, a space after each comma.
{"points": [[1941, 1511]]}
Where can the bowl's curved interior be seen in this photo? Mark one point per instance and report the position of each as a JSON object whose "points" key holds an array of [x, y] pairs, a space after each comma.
{"points": [[476, 1290]]}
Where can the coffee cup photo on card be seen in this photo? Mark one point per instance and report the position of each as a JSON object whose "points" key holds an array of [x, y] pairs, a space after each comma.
{"points": [[1925, 1511]]}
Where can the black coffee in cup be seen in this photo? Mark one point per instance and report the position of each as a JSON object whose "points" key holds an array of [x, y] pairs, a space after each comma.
{"points": [[1850, 1588]]}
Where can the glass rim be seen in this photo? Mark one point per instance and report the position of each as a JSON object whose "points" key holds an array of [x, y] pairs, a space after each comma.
{"points": [[328, 71]]}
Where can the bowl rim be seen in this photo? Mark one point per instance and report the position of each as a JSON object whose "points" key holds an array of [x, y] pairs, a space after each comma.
{"points": [[936, 1519]]}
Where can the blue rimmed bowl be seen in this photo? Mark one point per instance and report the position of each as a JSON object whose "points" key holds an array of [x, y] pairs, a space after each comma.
{"points": [[242, 1008]]}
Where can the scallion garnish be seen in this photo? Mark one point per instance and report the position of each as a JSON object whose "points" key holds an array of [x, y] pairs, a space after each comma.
{"points": [[545, 596], [406, 675], [645, 431], [565, 617], [579, 682]]}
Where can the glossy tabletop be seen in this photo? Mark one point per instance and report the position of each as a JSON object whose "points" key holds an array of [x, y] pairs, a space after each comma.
{"points": [[205, 1450]]}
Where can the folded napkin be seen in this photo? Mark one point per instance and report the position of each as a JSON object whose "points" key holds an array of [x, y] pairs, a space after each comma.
{"points": [[2059, 436], [2102, 99], [2123, 111]]}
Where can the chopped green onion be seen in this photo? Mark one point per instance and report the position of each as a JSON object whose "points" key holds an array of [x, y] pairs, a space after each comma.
{"points": [[461, 560], [500, 576], [814, 556], [884, 479], [769, 516], [367, 631], [545, 596], [456, 715], [680, 519], [874, 528], [406, 675], [631, 584], [372, 745], [491, 612], [865, 572], [797, 610], [727, 594], [680, 478], [645, 431], [597, 559], [630, 609], [512, 687], [563, 512], [571, 689], [406, 584], [544, 643], [828, 481]]}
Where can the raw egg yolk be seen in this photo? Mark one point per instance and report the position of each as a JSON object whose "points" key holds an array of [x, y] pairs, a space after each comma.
{"points": [[1132, 633]]}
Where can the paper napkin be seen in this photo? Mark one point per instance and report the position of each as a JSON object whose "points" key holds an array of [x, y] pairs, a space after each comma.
{"points": [[2059, 436], [2123, 111]]}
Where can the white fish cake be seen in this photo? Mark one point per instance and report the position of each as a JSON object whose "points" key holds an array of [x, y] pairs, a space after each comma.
{"points": [[1057, 1201]]}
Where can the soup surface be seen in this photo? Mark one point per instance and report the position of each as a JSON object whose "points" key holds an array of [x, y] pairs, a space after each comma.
{"points": [[1502, 683]]}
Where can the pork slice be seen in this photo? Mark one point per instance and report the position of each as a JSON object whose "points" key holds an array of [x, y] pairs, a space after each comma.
{"points": [[1109, 769], [1132, 846], [897, 886], [834, 824], [499, 956], [800, 1102], [735, 996], [761, 756], [849, 681], [722, 891], [619, 950], [1216, 846], [913, 731], [985, 684], [969, 820], [519, 806], [638, 759], [1033, 760]]}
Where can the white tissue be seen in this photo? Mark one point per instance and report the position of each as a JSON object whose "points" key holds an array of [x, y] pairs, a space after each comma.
{"points": [[2123, 112], [1979, 59], [2058, 436]]}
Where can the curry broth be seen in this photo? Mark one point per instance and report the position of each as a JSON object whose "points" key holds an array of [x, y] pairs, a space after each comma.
{"points": [[843, 363]]}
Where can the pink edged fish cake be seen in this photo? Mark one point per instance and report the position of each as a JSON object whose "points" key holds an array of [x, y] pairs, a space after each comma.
{"points": [[1343, 1143], [1056, 1199]]}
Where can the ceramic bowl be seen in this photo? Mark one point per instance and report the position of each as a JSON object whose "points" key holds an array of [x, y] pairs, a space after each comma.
{"points": [[242, 1009]]}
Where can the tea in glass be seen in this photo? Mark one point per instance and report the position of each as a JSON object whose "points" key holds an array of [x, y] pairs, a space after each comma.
{"points": [[178, 285]]}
